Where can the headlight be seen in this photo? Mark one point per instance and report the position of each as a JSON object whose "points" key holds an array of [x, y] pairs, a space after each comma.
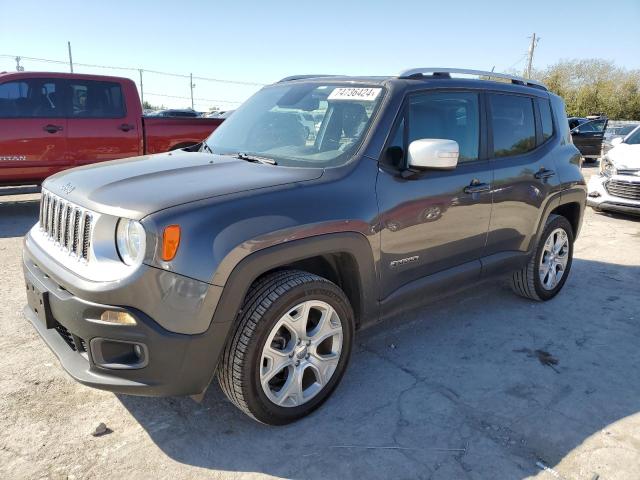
{"points": [[131, 241], [607, 168]]}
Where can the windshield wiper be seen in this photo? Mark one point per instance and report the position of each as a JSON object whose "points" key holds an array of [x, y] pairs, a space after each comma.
{"points": [[255, 158], [205, 147]]}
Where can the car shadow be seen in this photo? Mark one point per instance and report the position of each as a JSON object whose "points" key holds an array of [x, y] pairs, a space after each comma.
{"points": [[18, 216], [482, 384], [620, 216]]}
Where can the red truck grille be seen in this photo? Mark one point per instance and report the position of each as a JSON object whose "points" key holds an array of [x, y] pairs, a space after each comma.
{"points": [[66, 224]]}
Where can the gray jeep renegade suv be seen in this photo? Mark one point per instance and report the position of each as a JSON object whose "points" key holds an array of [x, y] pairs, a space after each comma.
{"points": [[257, 256]]}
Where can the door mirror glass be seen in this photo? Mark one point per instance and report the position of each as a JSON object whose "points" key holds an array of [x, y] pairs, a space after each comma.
{"points": [[433, 153], [617, 141]]}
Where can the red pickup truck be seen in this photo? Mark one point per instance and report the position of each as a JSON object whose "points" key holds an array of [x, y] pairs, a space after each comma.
{"points": [[54, 121]]}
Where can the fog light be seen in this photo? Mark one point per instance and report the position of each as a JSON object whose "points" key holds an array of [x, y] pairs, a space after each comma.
{"points": [[120, 318]]}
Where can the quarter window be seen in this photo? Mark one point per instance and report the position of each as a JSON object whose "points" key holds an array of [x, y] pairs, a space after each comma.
{"points": [[447, 115], [91, 99], [513, 125], [546, 118]]}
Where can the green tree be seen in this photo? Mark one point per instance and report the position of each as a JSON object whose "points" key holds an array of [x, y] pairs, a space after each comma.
{"points": [[595, 86]]}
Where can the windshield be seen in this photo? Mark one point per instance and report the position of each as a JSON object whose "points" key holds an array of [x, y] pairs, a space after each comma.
{"points": [[301, 125], [633, 138]]}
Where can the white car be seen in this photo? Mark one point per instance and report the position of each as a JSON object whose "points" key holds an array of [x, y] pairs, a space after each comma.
{"points": [[617, 187]]}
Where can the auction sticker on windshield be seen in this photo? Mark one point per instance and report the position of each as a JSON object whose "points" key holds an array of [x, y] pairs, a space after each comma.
{"points": [[362, 94]]}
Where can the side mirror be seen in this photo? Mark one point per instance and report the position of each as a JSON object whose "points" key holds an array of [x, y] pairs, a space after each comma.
{"points": [[575, 131], [433, 153], [617, 141]]}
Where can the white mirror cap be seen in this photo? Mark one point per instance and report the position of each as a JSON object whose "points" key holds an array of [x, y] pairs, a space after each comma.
{"points": [[617, 141], [434, 153]]}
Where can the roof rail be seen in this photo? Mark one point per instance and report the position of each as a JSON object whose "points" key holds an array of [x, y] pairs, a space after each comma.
{"points": [[302, 77], [446, 72]]}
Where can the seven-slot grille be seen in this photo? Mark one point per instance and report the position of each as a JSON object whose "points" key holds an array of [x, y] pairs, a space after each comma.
{"points": [[623, 189], [67, 224]]}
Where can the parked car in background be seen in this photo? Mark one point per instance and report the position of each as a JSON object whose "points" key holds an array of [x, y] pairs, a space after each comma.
{"points": [[54, 121], [175, 112], [219, 114], [617, 187], [588, 135], [613, 131], [258, 257]]}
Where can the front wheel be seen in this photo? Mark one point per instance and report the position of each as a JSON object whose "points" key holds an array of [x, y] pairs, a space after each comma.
{"points": [[547, 270], [290, 348]]}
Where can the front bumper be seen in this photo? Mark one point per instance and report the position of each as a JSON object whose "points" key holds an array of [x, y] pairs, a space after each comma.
{"points": [[174, 363], [600, 199]]}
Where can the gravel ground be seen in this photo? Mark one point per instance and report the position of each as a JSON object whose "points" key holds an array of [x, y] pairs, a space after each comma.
{"points": [[454, 390]]}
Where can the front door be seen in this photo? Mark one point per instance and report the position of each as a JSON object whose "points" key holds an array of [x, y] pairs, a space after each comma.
{"points": [[32, 130], [433, 220], [99, 127], [588, 137]]}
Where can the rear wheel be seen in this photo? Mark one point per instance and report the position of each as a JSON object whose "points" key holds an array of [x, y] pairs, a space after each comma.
{"points": [[547, 271], [290, 347]]}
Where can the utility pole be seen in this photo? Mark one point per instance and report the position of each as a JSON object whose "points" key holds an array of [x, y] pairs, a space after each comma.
{"points": [[191, 84], [141, 89], [532, 47], [70, 58], [19, 68]]}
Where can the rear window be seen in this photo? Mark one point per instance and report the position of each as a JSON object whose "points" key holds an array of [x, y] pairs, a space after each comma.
{"points": [[513, 125], [32, 98], [91, 99], [546, 118]]}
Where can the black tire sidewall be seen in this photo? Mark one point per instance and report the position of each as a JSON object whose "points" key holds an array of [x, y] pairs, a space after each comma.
{"points": [[261, 407], [558, 222]]}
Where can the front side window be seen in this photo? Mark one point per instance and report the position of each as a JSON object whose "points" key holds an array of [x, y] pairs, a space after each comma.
{"points": [[302, 125], [91, 99], [32, 98], [449, 116], [594, 126], [513, 125]]}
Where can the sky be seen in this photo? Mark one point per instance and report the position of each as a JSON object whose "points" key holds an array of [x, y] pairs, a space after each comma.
{"points": [[263, 41]]}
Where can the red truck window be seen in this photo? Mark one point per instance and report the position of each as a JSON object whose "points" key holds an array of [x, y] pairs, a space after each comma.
{"points": [[33, 98], [91, 99]]}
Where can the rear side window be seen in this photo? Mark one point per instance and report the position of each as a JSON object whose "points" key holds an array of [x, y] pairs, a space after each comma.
{"points": [[546, 119], [91, 99], [447, 115], [32, 98], [513, 125]]}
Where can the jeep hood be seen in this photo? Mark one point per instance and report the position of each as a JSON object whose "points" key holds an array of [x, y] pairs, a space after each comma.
{"points": [[136, 187], [625, 156]]}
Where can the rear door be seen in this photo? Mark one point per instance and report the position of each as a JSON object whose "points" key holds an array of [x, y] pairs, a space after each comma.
{"points": [[99, 126], [588, 137], [523, 139], [32, 130]]}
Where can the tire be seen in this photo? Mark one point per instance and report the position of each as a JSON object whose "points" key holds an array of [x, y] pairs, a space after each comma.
{"points": [[251, 371], [527, 282]]}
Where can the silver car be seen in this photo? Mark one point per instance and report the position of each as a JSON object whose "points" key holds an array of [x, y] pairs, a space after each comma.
{"points": [[617, 187]]}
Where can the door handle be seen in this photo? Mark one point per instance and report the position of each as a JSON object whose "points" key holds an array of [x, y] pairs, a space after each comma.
{"points": [[125, 127], [52, 128], [476, 187], [544, 173]]}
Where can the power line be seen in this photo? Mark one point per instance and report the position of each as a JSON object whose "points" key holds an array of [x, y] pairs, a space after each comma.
{"points": [[195, 98], [132, 69], [522, 57]]}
